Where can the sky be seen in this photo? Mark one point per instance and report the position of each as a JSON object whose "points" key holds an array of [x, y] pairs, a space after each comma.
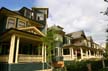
{"points": [[72, 15]]}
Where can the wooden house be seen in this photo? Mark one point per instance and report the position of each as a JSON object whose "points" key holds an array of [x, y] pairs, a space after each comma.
{"points": [[21, 46]]}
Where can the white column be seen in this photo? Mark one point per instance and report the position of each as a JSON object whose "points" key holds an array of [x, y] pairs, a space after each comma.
{"points": [[81, 53], [89, 54], [45, 52], [94, 54], [12, 46], [76, 53], [72, 53], [17, 50]]}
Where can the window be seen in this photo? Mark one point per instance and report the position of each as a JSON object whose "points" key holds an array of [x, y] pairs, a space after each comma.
{"points": [[11, 23], [21, 24], [28, 14], [66, 52], [40, 17]]}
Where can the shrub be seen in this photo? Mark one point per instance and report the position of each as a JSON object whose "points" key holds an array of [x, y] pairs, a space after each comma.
{"points": [[82, 65]]}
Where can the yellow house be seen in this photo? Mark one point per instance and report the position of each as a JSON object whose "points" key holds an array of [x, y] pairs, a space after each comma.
{"points": [[21, 46], [80, 47]]}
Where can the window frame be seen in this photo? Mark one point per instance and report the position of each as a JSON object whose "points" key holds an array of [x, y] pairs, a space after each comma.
{"points": [[65, 52], [19, 20], [38, 17], [7, 23]]}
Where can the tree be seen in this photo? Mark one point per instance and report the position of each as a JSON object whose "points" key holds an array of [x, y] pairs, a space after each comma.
{"points": [[49, 42]]}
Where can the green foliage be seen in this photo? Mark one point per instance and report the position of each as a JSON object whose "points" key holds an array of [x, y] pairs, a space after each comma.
{"points": [[105, 69], [49, 42], [82, 65], [105, 54]]}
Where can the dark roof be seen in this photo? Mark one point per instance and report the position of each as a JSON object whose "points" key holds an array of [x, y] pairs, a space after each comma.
{"points": [[18, 13]]}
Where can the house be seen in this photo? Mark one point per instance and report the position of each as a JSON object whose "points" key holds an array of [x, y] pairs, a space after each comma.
{"points": [[79, 47], [21, 46], [57, 58]]}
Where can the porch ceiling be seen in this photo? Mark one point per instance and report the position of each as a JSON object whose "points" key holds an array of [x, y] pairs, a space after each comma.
{"points": [[21, 34], [78, 47]]}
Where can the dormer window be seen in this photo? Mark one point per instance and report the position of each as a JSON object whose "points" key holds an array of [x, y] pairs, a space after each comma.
{"points": [[40, 17], [11, 22]]}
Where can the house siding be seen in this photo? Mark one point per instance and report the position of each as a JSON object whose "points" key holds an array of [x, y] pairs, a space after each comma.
{"points": [[23, 67], [3, 23]]}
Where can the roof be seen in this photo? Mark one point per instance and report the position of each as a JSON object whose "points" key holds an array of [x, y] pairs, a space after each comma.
{"points": [[89, 38], [77, 34], [57, 27], [5, 11]]}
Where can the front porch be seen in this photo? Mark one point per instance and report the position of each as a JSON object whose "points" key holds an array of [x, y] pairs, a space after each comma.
{"points": [[80, 53], [21, 47]]}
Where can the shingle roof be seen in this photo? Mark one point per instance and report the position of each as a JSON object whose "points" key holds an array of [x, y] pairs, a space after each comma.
{"points": [[77, 34], [89, 38]]}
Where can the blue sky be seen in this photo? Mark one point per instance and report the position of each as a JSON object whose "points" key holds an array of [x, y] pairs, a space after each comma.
{"points": [[72, 15], [16, 4]]}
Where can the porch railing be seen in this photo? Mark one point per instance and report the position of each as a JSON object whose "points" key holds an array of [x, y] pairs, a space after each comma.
{"points": [[29, 58], [4, 58]]}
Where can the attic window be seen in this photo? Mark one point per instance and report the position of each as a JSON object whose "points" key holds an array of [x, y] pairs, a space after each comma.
{"points": [[40, 17]]}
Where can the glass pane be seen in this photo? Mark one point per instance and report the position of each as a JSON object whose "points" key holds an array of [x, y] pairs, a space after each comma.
{"points": [[11, 23], [40, 17], [21, 24]]}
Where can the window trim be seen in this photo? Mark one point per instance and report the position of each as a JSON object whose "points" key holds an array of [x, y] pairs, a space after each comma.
{"points": [[7, 23], [38, 15], [65, 53], [19, 20]]}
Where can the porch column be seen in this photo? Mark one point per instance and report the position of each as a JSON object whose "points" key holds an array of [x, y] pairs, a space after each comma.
{"points": [[17, 49], [81, 50], [72, 53], [45, 52], [11, 51], [89, 54]]}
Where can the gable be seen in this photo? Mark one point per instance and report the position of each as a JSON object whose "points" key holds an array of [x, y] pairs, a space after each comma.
{"points": [[33, 30]]}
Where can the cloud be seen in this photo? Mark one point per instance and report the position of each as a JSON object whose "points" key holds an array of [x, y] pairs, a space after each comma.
{"points": [[76, 15]]}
